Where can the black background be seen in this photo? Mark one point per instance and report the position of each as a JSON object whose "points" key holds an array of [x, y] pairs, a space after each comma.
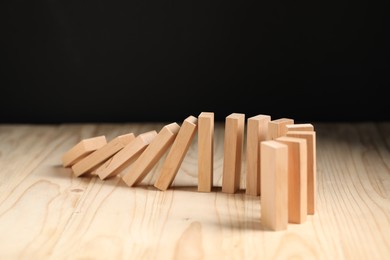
{"points": [[127, 61]]}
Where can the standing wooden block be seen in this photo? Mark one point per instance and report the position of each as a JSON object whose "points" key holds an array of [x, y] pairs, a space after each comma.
{"points": [[176, 154], [277, 127], [274, 160], [155, 150], [297, 178], [233, 145], [310, 137], [126, 156], [300, 127], [93, 160], [257, 131], [205, 151], [82, 149]]}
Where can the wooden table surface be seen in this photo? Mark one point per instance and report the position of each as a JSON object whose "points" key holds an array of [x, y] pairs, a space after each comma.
{"points": [[47, 213]]}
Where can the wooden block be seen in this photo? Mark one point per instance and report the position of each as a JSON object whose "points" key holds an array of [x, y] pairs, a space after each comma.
{"points": [[233, 145], [310, 137], [205, 151], [155, 150], [297, 178], [82, 149], [126, 156], [177, 153], [277, 127], [257, 131], [300, 127], [274, 169], [99, 156]]}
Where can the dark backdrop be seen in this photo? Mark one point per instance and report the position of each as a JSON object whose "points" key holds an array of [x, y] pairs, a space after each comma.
{"points": [[114, 61]]}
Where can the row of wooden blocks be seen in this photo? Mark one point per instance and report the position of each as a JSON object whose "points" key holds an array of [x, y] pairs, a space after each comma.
{"points": [[280, 160]]}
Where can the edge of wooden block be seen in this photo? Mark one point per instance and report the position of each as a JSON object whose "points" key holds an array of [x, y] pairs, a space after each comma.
{"points": [[89, 145], [171, 167], [167, 131]]}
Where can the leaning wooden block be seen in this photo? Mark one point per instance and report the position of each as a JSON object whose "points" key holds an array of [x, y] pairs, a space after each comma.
{"points": [[274, 169], [205, 151], [82, 149], [300, 127], [233, 145], [310, 137], [297, 178], [155, 150], [99, 156], [126, 156], [176, 154], [277, 127], [257, 131]]}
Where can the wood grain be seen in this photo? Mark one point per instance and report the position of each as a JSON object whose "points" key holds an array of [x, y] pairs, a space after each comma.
{"points": [[310, 137], [297, 178], [233, 149], [278, 127], [257, 131], [121, 160], [205, 151], [82, 149], [275, 200], [177, 153], [98, 157], [47, 213], [152, 154]]}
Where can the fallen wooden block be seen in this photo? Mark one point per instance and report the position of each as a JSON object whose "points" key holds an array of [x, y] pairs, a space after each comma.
{"points": [[297, 178], [82, 149], [155, 150], [310, 137], [274, 169], [176, 154], [277, 127], [257, 131], [126, 156], [300, 127], [205, 151], [99, 156], [233, 145]]}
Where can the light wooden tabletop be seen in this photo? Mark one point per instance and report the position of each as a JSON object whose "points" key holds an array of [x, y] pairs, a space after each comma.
{"points": [[47, 213]]}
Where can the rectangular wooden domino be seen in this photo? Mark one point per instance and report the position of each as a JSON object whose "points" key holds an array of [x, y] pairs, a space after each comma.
{"points": [[205, 151], [257, 131], [126, 156], [310, 137], [233, 146], [82, 149], [177, 153], [99, 156], [277, 127], [274, 169], [300, 127], [297, 178], [155, 150]]}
